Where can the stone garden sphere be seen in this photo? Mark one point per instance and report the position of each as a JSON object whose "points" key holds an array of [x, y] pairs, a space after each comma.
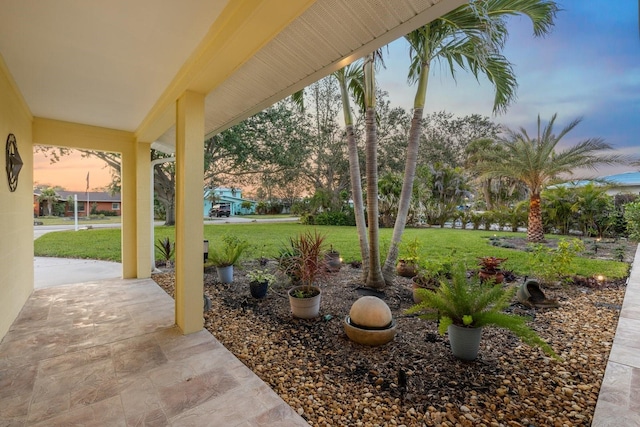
{"points": [[370, 322], [370, 312]]}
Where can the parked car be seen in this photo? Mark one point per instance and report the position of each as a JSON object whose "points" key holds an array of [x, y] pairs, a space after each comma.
{"points": [[220, 209]]}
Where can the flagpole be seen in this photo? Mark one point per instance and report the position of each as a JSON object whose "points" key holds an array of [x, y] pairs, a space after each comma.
{"points": [[88, 208]]}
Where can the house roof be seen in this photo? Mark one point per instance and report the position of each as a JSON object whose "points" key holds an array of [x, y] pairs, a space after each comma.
{"points": [[97, 196], [626, 179], [122, 64], [94, 196]]}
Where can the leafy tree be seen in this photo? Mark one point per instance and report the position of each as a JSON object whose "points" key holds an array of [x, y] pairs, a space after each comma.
{"points": [[536, 162], [48, 196], [389, 188], [472, 38], [266, 146], [595, 210], [632, 216], [559, 206], [448, 188], [445, 138]]}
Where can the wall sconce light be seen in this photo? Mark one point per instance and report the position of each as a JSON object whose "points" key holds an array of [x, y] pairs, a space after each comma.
{"points": [[14, 162]]}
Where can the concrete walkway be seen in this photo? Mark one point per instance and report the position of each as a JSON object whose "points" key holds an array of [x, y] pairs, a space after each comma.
{"points": [[619, 399], [49, 272]]}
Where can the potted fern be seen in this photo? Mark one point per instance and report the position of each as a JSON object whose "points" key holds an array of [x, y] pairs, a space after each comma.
{"points": [[304, 261], [463, 307], [225, 255]]}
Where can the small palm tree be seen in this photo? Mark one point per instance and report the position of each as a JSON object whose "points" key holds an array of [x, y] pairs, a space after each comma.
{"points": [[536, 162]]}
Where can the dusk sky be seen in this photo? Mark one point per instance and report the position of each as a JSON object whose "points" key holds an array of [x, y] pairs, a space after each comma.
{"points": [[589, 67]]}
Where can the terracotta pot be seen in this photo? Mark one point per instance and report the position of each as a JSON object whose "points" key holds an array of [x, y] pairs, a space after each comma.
{"points": [[406, 269], [495, 276], [420, 283]]}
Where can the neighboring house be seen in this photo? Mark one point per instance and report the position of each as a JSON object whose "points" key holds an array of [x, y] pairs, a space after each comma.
{"points": [[622, 183], [233, 196], [103, 202]]}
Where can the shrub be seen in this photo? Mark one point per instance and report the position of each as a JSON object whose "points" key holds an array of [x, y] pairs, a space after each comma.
{"points": [[335, 218], [553, 265], [632, 216], [106, 213]]}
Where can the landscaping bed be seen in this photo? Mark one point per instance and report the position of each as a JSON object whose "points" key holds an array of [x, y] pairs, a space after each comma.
{"points": [[415, 380]]}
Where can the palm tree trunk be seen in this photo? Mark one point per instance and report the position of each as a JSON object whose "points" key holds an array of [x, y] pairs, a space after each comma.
{"points": [[354, 174], [535, 230], [411, 163], [358, 202], [374, 278], [486, 191]]}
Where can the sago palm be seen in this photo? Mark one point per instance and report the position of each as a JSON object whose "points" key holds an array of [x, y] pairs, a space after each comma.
{"points": [[470, 37], [537, 162]]}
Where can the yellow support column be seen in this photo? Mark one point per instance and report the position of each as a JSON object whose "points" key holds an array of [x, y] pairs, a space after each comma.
{"points": [[129, 216], [144, 209], [189, 206]]}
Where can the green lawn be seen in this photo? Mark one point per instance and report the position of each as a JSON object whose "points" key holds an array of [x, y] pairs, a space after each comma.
{"points": [[266, 238]]}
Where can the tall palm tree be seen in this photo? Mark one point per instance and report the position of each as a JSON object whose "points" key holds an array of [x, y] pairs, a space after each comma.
{"points": [[350, 80], [375, 279], [537, 162], [470, 37]]}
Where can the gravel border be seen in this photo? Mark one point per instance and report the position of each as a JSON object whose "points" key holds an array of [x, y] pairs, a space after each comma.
{"points": [[414, 380]]}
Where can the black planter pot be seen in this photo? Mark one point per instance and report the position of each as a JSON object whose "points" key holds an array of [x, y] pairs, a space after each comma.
{"points": [[258, 289]]}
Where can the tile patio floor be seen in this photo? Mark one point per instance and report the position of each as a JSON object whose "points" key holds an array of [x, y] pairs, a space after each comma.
{"points": [[108, 354]]}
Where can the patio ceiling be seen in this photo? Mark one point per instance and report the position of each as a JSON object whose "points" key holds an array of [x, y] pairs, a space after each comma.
{"points": [[122, 64]]}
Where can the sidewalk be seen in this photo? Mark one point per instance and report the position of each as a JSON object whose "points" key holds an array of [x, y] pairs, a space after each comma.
{"points": [[619, 398], [50, 272]]}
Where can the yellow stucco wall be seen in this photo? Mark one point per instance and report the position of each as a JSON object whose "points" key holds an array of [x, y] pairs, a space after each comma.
{"points": [[16, 215]]}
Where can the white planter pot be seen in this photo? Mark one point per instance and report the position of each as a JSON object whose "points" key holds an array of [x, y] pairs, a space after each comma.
{"points": [[225, 274], [465, 342], [304, 308]]}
